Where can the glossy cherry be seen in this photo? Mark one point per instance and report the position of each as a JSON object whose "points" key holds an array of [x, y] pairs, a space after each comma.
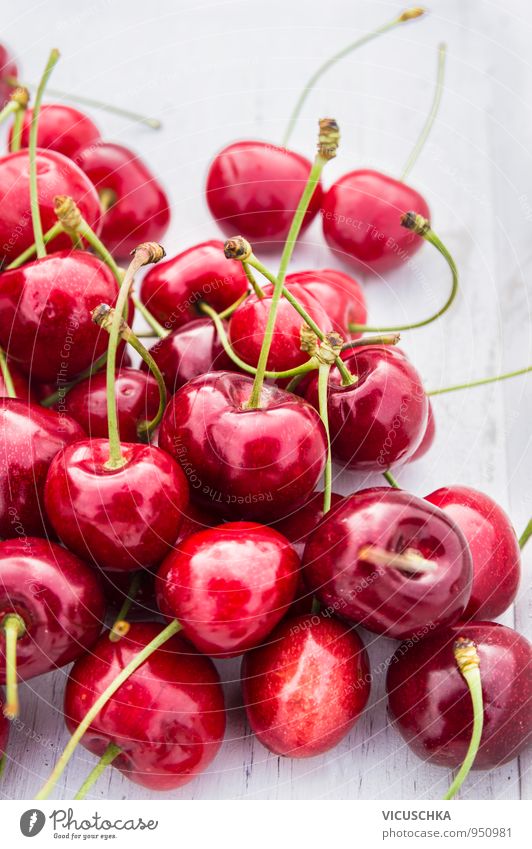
{"points": [[139, 208], [168, 719], [229, 586], [350, 563], [379, 421], [56, 175], [305, 688], [362, 220], [238, 460], [30, 437], [339, 294], [58, 597], [172, 290], [61, 128], [122, 519], [298, 525], [253, 188], [430, 435], [493, 545], [430, 704]]}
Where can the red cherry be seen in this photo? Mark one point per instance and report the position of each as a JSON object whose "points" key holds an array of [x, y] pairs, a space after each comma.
{"points": [[306, 687], [253, 188], [238, 460], [56, 175], [139, 211], [229, 586], [297, 526], [430, 704], [172, 290], [45, 314], [351, 563], [8, 68], [362, 220], [61, 128], [123, 519], [59, 599], [30, 437], [493, 545], [430, 434], [379, 421], [168, 719], [339, 294]]}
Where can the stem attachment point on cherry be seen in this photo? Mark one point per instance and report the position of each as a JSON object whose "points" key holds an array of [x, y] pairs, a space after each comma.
{"points": [[468, 662], [14, 628], [408, 561]]}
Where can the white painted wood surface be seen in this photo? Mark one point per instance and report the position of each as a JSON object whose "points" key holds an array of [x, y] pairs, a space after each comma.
{"points": [[219, 71]]}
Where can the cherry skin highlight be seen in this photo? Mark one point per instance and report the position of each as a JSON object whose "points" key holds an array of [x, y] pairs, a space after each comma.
{"points": [[229, 586], [253, 188], [168, 718], [339, 294], [430, 704], [61, 128], [306, 687]]}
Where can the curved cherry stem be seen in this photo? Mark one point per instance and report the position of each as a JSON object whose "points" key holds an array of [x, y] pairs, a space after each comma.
{"points": [[468, 662], [525, 536], [102, 700], [429, 123], [59, 394], [6, 374], [407, 15], [16, 134], [323, 385], [117, 630], [111, 753], [391, 480], [11, 108], [34, 193], [14, 628], [228, 311], [482, 382], [381, 339], [50, 234], [251, 280], [420, 225]]}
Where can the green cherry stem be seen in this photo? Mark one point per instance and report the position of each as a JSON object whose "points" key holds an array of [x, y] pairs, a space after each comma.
{"points": [[484, 381], [50, 234], [429, 123], [117, 630], [6, 374], [420, 225], [107, 758], [60, 393], [34, 194], [251, 280], [16, 106], [323, 383], [14, 628], [391, 480], [101, 701], [468, 662], [405, 16], [228, 311], [380, 339], [525, 536]]}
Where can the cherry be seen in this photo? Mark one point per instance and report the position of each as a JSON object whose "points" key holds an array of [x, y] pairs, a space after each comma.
{"points": [[57, 175], [167, 721], [379, 420], [493, 545], [391, 562], [61, 128], [239, 460], [229, 586], [299, 524], [431, 707], [30, 437], [173, 290], [137, 208], [137, 399], [339, 294], [428, 439], [306, 687]]}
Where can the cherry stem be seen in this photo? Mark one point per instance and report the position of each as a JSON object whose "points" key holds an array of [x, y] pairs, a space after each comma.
{"points": [[431, 117], [6, 374], [50, 234], [14, 628], [59, 394], [228, 311], [408, 15], [391, 480], [482, 382], [468, 662], [3, 761], [383, 339], [11, 108], [323, 383], [102, 700], [117, 631], [22, 96], [408, 561], [420, 225], [112, 751], [251, 280], [34, 194], [525, 536]]}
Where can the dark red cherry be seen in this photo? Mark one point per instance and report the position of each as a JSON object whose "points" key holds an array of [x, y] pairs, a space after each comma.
{"points": [[362, 220], [305, 688], [251, 463], [493, 545], [379, 421], [137, 398], [122, 519], [428, 439], [8, 68], [168, 718], [61, 128], [30, 437], [45, 314], [58, 597], [430, 703], [253, 188], [339, 294], [172, 290], [367, 562], [139, 210], [56, 175], [229, 586], [297, 526]]}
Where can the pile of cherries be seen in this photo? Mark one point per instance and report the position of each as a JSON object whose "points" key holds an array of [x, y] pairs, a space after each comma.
{"points": [[180, 502]]}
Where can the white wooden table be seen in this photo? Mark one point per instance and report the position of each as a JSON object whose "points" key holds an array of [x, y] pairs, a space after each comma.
{"points": [[219, 71]]}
